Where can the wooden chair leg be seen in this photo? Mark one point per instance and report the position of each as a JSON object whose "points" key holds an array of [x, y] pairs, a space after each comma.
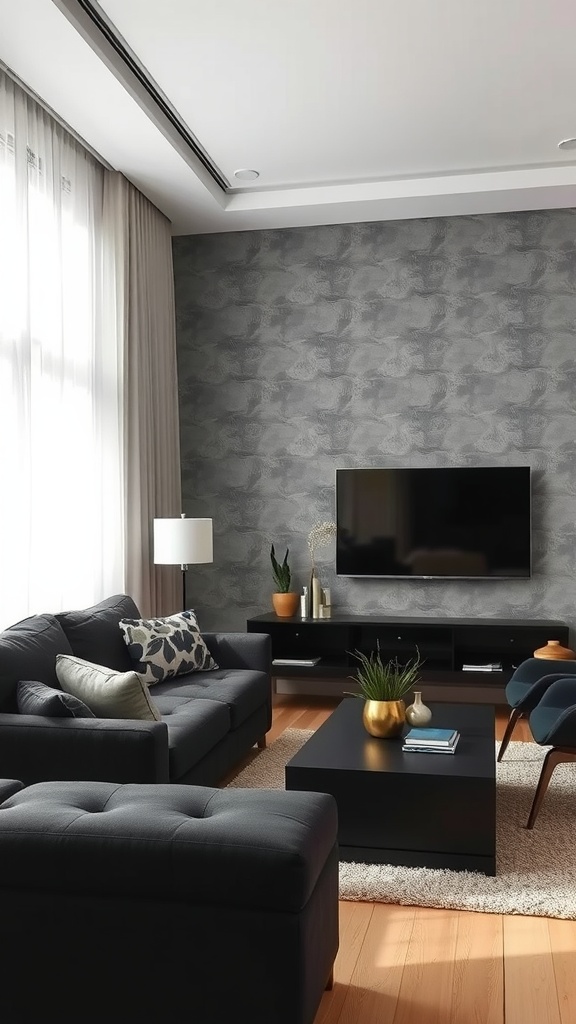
{"points": [[262, 742], [554, 757], [330, 982], [515, 714]]}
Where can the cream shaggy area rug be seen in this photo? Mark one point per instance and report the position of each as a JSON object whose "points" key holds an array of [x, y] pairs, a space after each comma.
{"points": [[536, 870]]}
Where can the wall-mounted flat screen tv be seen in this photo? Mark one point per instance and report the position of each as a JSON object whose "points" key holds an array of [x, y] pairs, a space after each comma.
{"points": [[456, 523]]}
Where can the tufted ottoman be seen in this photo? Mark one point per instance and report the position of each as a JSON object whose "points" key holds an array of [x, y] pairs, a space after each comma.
{"points": [[165, 903]]}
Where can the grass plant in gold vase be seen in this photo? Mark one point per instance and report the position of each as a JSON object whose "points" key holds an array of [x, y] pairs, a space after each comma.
{"points": [[382, 688]]}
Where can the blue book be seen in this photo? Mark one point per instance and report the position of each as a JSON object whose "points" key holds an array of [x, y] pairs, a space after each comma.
{"points": [[430, 737]]}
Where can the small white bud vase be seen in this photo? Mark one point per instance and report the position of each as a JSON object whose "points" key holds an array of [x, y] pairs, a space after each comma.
{"points": [[418, 713]]}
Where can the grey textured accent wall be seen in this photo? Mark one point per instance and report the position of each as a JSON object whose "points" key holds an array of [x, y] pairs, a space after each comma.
{"points": [[413, 343]]}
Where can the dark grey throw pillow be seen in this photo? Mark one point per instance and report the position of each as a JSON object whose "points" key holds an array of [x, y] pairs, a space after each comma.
{"points": [[36, 698], [93, 632]]}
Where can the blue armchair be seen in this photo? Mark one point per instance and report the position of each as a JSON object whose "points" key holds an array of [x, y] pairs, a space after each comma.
{"points": [[553, 722], [527, 687]]}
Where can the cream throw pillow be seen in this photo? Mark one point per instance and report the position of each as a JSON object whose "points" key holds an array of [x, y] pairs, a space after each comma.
{"points": [[107, 693]]}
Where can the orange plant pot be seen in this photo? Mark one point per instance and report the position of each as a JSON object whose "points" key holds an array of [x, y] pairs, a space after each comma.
{"points": [[285, 605]]}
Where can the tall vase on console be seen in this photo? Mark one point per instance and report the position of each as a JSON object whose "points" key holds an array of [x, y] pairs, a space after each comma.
{"points": [[320, 535], [315, 595], [418, 713]]}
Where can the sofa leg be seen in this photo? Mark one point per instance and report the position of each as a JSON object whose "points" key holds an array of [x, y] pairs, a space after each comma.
{"points": [[262, 742], [330, 982]]}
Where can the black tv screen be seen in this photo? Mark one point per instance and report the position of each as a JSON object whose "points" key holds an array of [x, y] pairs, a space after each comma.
{"points": [[456, 523]]}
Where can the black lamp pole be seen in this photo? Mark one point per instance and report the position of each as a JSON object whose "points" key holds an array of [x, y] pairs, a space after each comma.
{"points": [[183, 567]]}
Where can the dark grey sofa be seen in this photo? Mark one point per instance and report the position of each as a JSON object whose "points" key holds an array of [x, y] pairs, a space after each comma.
{"points": [[156, 904], [209, 719]]}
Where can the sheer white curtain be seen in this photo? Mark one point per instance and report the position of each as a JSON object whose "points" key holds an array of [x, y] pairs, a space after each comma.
{"points": [[61, 493]]}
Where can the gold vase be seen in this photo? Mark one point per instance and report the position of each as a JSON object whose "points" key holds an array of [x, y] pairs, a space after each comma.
{"points": [[384, 718], [555, 651]]}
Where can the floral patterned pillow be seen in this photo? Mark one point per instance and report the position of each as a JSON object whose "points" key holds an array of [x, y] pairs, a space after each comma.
{"points": [[167, 647]]}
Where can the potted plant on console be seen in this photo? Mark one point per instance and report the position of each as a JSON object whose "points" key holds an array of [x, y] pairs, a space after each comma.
{"points": [[382, 688], [284, 600]]}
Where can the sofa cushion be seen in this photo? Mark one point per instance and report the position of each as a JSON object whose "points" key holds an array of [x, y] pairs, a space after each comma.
{"points": [[34, 698], [162, 648], [243, 691], [107, 693], [28, 650], [194, 728], [94, 635]]}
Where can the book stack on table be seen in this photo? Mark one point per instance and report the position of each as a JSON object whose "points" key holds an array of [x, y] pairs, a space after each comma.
{"points": [[431, 741]]}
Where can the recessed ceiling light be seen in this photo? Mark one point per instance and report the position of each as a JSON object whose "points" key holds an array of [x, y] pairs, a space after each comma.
{"points": [[244, 174], [567, 144]]}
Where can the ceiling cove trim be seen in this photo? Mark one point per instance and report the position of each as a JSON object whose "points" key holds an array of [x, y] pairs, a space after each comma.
{"points": [[98, 31]]}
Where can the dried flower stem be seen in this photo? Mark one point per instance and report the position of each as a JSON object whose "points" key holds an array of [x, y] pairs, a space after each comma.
{"points": [[320, 535]]}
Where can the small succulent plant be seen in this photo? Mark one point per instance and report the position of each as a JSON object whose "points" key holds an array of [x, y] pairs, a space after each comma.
{"points": [[281, 572]]}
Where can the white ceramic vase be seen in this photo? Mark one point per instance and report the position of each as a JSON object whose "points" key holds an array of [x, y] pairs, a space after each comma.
{"points": [[418, 713]]}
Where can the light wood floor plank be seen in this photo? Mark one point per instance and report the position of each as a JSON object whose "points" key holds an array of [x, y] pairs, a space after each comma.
{"points": [[425, 995], [310, 718], [354, 921], [529, 980], [317, 718], [563, 946], [375, 984], [281, 720], [478, 985]]}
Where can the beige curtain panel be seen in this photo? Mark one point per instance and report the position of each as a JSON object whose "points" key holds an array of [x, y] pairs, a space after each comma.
{"points": [[140, 284]]}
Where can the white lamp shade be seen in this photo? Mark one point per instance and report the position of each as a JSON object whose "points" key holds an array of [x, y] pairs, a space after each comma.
{"points": [[182, 541]]}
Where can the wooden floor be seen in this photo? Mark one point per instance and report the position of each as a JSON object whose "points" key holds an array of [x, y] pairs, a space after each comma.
{"points": [[410, 965]]}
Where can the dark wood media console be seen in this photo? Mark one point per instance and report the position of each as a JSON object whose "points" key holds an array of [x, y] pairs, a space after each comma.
{"points": [[445, 646]]}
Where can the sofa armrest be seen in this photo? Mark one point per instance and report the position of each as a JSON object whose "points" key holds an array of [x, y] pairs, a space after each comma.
{"points": [[241, 650], [38, 749], [8, 787]]}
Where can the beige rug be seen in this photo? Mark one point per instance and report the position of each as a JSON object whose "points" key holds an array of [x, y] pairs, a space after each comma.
{"points": [[536, 870]]}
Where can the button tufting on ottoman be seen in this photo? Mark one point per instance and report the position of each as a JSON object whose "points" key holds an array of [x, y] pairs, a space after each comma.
{"points": [[166, 903], [246, 848]]}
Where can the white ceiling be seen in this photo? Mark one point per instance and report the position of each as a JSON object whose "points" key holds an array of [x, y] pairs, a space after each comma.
{"points": [[351, 110]]}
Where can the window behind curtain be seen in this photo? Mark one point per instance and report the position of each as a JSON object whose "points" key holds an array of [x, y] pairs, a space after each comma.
{"points": [[60, 373]]}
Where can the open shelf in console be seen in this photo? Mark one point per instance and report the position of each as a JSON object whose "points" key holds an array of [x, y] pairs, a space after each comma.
{"points": [[403, 643], [501, 644], [304, 641], [445, 645]]}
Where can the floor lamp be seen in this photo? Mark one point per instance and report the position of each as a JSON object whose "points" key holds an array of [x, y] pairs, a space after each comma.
{"points": [[182, 542]]}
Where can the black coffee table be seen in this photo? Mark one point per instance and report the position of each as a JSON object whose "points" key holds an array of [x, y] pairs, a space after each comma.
{"points": [[421, 810]]}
